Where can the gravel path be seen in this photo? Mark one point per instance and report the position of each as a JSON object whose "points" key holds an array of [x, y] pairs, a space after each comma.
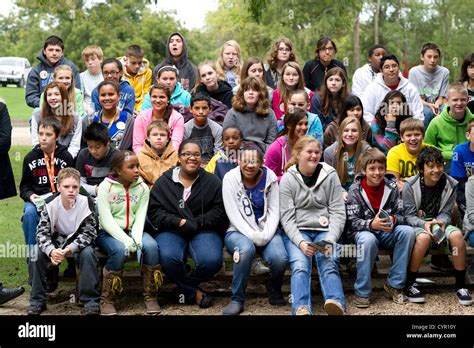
{"points": [[21, 135]]}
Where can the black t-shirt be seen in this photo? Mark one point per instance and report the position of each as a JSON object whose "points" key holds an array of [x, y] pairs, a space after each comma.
{"points": [[310, 181]]}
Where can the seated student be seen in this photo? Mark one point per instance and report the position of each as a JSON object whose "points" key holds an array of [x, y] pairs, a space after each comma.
{"points": [[227, 158], [208, 83], [229, 63], [55, 98], [431, 80], [251, 200], [93, 162], [186, 207], [92, 56], [328, 103], [119, 122], [123, 202], [312, 220], [279, 152], [137, 72], [162, 110], [300, 99], [281, 52], [386, 123], [252, 114], [253, 67], [401, 159], [158, 153], [67, 227], [375, 192], [40, 169], [468, 221], [388, 80], [112, 70], [168, 75], [205, 132], [364, 75], [344, 154], [449, 128], [428, 200], [467, 78], [351, 106]]}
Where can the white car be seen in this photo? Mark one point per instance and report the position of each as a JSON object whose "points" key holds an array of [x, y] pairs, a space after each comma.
{"points": [[14, 70]]}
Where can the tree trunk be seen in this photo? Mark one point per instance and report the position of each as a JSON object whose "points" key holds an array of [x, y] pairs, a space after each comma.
{"points": [[357, 42], [376, 23]]}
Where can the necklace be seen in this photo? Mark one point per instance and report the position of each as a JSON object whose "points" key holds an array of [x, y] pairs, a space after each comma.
{"points": [[115, 118]]}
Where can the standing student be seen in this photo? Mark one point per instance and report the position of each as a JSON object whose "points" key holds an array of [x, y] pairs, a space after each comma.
{"points": [[315, 69], [431, 80], [67, 227], [158, 153], [312, 211], [252, 114], [428, 200], [229, 63], [162, 110], [227, 158], [251, 200], [292, 80], [112, 70], [123, 202], [187, 209], [177, 56], [137, 72], [364, 75], [282, 52], [328, 104], [92, 56], [210, 84], [56, 105], [467, 78], [253, 67], [168, 75], [41, 75], [374, 192]]}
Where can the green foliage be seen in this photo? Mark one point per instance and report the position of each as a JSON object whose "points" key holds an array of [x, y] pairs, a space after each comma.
{"points": [[15, 100]]}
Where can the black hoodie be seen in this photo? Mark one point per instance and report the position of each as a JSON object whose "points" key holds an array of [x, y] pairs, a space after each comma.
{"points": [[187, 69], [34, 178], [203, 210], [223, 94]]}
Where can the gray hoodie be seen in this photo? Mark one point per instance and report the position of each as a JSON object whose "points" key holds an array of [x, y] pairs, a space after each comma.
{"points": [[187, 69], [468, 221], [303, 207]]}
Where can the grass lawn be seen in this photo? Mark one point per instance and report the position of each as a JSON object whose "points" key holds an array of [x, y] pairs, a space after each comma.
{"points": [[14, 97]]}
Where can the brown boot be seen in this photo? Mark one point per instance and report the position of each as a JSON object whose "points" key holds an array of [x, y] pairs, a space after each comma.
{"points": [[152, 281], [111, 286]]}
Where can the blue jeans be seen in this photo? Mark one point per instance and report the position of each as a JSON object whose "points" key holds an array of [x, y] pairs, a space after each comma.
{"points": [[115, 251], [401, 240], [205, 248], [29, 222], [274, 253], [470, 238], [328, 270], [428, 116]]}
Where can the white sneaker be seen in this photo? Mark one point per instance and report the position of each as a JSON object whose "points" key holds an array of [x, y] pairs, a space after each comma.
{"points": [[259, 267], [464, 297]]}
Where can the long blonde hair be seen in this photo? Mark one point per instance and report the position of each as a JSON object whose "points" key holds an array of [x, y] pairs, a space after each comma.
{"points": [[298, 147], [71, 91], [212, 65], [220, 62], [341, 154]]}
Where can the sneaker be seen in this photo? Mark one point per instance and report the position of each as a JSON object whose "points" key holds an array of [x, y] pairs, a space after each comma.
{"points": [[464, 297], [303, 310], [92, 310], [441, 263], [7, 294], [397, 294], [333, 307], [259, 267], [275, 297], [414, 295], [233, 308], [361, 302], [36, 309]]}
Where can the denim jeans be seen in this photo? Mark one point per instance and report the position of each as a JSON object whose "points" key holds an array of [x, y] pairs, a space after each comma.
{"points": [[301, 265], [401, 240], [274, 253], [205, 248], [88, 282], [29, 222], [428, 116], [115, 251], [470, 238]]}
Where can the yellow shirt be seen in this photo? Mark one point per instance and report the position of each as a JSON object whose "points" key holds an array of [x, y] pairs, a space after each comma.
{"points": [[400, 161]]}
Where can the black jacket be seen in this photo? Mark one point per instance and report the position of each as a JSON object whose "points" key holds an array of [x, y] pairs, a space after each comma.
{"points": [[7, 186], [314, 71], [223, 94], [203, 210], [34, 178]]}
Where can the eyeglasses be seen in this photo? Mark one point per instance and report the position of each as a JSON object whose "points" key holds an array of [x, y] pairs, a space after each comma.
{"points": [[328, 49], [110, 73], [284, 49], [187, 155]]}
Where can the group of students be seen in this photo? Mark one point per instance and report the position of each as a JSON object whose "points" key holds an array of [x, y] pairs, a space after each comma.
{"points": [[165, 174]]}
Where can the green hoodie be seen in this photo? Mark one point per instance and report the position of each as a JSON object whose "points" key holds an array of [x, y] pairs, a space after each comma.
{"points": [[444, 132], [123, 209]]}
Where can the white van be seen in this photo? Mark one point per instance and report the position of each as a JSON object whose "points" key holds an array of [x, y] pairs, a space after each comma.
{"points": [[14, 70]]}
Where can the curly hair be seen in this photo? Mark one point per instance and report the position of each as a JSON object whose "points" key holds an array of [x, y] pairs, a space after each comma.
{"points": [[428, 154], [273, 53], [263, 104]]}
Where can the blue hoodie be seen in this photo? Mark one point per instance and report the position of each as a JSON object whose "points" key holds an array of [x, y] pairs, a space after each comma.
{"points": [[127, 98], [37, 80], [179, 96]]}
